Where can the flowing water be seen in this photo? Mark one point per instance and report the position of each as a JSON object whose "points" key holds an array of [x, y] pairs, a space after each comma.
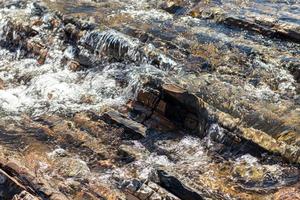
{"points": [[93, 56]]}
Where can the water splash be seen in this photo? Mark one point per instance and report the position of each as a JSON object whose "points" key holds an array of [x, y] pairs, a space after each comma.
{"points": [[34, 88], [113, 43]]}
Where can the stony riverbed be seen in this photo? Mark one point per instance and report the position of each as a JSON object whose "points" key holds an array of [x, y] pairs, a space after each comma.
{"points": [[149, 99]]}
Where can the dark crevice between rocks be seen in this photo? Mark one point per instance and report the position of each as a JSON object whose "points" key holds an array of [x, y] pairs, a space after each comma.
{"points": [[176, 187], [8, 188], [174, 112], [15, 183], [125, 157]]}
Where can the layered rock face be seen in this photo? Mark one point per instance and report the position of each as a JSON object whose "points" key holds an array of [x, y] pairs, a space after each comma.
{"points": [[149, 100]]}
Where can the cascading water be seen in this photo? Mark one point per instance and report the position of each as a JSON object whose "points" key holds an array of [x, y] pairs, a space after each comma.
{"points": [[116, 44], [60, 74], [35, 89]]}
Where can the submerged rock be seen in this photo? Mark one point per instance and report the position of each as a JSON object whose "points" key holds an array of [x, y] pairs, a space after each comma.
{"points": [[149, 100], [131, 125]]}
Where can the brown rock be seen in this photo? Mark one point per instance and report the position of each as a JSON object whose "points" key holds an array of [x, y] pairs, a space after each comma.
{"points": [[106, 164], [1, 84], [174, 105], [39, 50], [42, 57], [290, 193], [124, 121], [74, 65], [85, 196], [88, 99]]}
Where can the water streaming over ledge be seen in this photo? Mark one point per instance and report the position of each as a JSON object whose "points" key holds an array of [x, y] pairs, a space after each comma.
{"points": [[51, 87], [63, 71]]}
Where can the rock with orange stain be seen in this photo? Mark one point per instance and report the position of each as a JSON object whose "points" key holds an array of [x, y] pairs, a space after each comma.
{"points": [[107, 164]]}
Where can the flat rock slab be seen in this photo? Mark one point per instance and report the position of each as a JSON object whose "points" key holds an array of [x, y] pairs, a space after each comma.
{"points": [[126, 122]]}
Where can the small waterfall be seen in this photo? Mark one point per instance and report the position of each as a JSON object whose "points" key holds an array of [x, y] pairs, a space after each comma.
{"points": [[35, 88], [121, 47], [114, 44]]}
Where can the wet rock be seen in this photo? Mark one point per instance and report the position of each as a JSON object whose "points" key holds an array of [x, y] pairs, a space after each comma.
{"points": [[160, 193], [14, 3], [85, 196], [74, 60], [88, 99], [23, 180], [253, 175], [129, 153], [2, 86], [71, 33], [144, 192], [36, 9], [50, 21], [177, 106], [240, 100], [127, 123], [9, 186], [180, 7], [195, 115], [289, 193], [262, 24], [174, 9], [37, 49], [294, 67], [15, 35], [125, 156], [74, 66], [70, 167], [24, 196], [137, 190], [176, 187]]}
